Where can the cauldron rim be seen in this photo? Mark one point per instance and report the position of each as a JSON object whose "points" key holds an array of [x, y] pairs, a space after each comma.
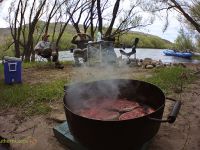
{"points": [[147, 115]]}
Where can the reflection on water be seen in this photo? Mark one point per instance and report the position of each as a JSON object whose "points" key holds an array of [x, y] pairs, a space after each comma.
{"points": [[155, 54]]}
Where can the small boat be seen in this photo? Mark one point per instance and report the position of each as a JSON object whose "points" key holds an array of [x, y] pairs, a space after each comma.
{"points": [[169, 52]]}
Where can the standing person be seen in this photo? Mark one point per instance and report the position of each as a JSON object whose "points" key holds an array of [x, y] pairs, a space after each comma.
{"points": [[44, 49], [81, 50]]}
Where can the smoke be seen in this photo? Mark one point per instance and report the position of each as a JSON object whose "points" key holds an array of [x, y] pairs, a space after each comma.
{"points": [[97, 83], [90, 94], [108, 71], [93, 85]]}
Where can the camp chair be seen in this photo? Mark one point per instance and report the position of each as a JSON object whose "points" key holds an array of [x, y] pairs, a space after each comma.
{"points": [[44, 56], [41, 58], [128, 55]]}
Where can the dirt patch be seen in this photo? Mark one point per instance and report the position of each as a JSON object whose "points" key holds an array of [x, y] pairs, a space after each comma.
{"points": [[194, 67], [45, 74], [184, 133], [75, 74], [91, 73], [31, 133]]}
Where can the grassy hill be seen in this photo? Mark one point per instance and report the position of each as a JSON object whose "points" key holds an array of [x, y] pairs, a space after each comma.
{"points": [[146, 40], [4, 32]]}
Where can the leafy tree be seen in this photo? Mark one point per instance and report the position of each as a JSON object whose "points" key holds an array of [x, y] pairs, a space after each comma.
{"points": [[183, 7], [184, 41], [198, 43], [195, 12], [6, 48]]}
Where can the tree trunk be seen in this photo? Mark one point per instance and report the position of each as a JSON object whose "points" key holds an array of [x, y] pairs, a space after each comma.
{"points": [[99, 15], [115, 11], [77, 28], [17, 49], [91, 20], [27, 57], [61, 33]]}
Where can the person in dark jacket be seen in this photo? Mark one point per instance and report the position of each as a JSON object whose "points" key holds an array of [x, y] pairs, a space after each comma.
{"points": [[81, 40]]}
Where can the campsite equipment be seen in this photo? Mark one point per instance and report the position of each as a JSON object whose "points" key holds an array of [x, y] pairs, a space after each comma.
{"points": [[12, 70], [133, 51]]}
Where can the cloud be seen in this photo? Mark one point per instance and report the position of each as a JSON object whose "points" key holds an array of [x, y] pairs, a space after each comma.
{"points": [[157, 27]]}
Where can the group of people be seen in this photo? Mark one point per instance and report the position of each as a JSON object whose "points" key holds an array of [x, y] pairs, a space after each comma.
{"points": [[46, 50]]}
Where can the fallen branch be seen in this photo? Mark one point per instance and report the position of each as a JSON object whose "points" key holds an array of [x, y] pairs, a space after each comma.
{"points": [[18, 132]]}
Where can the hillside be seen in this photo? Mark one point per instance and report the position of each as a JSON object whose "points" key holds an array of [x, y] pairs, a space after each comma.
{"points": [[146, 34], [146, 40], [4, 32]]}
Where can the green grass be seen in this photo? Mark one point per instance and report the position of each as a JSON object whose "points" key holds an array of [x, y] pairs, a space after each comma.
{"points": [[1, 69], [33, 99], [37, 109], [169, 79], [26, 65], [196, 57]]}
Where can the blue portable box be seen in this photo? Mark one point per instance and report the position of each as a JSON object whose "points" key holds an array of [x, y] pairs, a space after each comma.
{"points": [[12, 70]]}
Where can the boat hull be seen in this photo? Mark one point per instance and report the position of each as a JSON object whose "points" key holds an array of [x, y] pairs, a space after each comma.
{"points": [[187, 55]]}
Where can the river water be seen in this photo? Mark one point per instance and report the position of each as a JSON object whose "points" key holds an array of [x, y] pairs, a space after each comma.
{"points": [[141, 53]]}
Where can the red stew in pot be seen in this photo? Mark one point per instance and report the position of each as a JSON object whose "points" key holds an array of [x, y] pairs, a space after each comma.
{"points": [[120, 109]]}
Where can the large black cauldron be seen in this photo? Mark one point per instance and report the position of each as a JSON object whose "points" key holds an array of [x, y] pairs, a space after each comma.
{"points": [[116, 135]]}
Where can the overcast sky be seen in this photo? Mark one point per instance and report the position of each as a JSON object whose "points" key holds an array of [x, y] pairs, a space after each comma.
{"points": [[155, 29]]}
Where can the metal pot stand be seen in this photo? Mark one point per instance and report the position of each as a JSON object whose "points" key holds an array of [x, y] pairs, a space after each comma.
{"points": [[64, 136]]}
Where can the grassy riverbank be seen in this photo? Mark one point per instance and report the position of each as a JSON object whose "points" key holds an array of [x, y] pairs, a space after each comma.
{"points": [[196, 57], [43, 85], [171, 79]]}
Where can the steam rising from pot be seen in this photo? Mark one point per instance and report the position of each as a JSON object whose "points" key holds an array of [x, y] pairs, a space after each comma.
{"points": [[87, 95]]}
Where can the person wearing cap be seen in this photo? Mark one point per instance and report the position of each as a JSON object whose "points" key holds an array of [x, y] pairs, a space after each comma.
{"points": [[81, 50], [44, 49]]}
